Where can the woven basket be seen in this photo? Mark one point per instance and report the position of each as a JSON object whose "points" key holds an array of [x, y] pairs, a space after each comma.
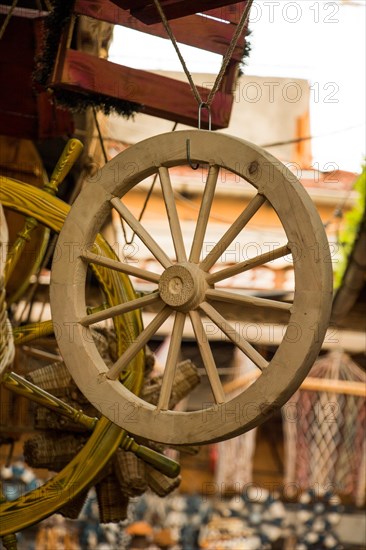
{"points": [[52, 378], [111, 501], [186, 379], [52, 451], [73, 508], [130, 472], [159, 483]]}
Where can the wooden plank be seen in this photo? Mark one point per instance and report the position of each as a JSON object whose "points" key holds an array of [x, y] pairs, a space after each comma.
{"points": [[18, 125], [173, 9], [159, 95], [52, 120], [24, 112], [231, 13], [16, 65], [345, 387], [28, 13], [194, 30]]}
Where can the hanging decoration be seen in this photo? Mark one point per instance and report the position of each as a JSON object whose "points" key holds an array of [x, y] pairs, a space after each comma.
{"points": [[325, 433], [234, 467]]}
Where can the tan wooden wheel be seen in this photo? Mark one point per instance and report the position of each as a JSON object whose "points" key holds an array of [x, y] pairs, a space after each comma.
{"points": [[186, 288]]}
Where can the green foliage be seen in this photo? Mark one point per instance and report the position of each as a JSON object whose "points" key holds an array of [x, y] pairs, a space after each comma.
{"points": [[352, 225]]}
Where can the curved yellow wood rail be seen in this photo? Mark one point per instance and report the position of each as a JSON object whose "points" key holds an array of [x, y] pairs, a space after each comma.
{"points": [[106, 437], [52, 212]]}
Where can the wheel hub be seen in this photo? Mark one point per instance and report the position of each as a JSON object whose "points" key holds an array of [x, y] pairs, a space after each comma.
{"points": [[183, 286]]}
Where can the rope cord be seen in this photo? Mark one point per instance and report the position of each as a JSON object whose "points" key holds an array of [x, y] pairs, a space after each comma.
{"points": [[101, 141], [169, 31], [147, 198], [6, 333], [239, 29]]}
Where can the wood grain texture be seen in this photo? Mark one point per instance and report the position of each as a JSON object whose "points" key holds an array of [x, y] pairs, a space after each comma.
{"points": [[308, 316], [173, 9], [160, 96], [107, 437], [200, 32]]}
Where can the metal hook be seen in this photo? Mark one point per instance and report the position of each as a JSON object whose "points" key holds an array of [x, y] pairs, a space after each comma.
{"points": [[188, 149], [200, 107]]}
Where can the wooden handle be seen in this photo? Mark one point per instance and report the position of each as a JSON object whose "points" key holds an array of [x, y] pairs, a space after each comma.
{"points": [[64, 164], [165, 465]]}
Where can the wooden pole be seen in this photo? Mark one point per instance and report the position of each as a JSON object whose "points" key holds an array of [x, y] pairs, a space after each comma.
{"points": [[347, 387]]}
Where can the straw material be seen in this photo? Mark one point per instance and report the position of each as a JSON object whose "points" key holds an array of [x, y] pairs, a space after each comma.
{"points": [[111, 501], [159, 483], [324, 432], [6, 335], [130, 472], [186, 379], [45, 419], [73, 508], [52, 452], [53, 378]]}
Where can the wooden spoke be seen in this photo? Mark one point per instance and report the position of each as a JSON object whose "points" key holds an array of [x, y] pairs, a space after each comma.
{"points": [[204, 213], [189, 287], [141, 232], [119, 309], [120, 266], [139, 343], [171, 362], [207, 357], [234, 335], [171, 209], [232, 232], [234, 298], [262, 259]]}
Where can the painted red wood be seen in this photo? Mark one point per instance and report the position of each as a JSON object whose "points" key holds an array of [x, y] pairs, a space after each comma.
{"points": [[173, 9], [23, 112], [231, 13], [194, 30], [159, 95]]}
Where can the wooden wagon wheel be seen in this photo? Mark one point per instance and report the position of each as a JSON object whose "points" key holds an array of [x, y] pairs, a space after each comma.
{"points": [[106, 437], [186, 287]]}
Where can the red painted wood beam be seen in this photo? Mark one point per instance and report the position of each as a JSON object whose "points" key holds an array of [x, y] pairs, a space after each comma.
{"points": [[160, 96], [195, 30], [145, 10]]}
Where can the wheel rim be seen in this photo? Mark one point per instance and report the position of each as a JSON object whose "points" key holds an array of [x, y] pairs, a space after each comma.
{"points": [[309, 313], [106, 437]]}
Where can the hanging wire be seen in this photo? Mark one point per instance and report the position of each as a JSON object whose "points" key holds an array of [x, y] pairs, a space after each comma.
{"points": [[101, 141], [149, 193], [239, 29], [144, 206], [278, 143]]}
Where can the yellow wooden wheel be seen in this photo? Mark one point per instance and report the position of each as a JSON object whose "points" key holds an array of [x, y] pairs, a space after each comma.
{"points": [[34, 239], [186, 288], [106, 436]]}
